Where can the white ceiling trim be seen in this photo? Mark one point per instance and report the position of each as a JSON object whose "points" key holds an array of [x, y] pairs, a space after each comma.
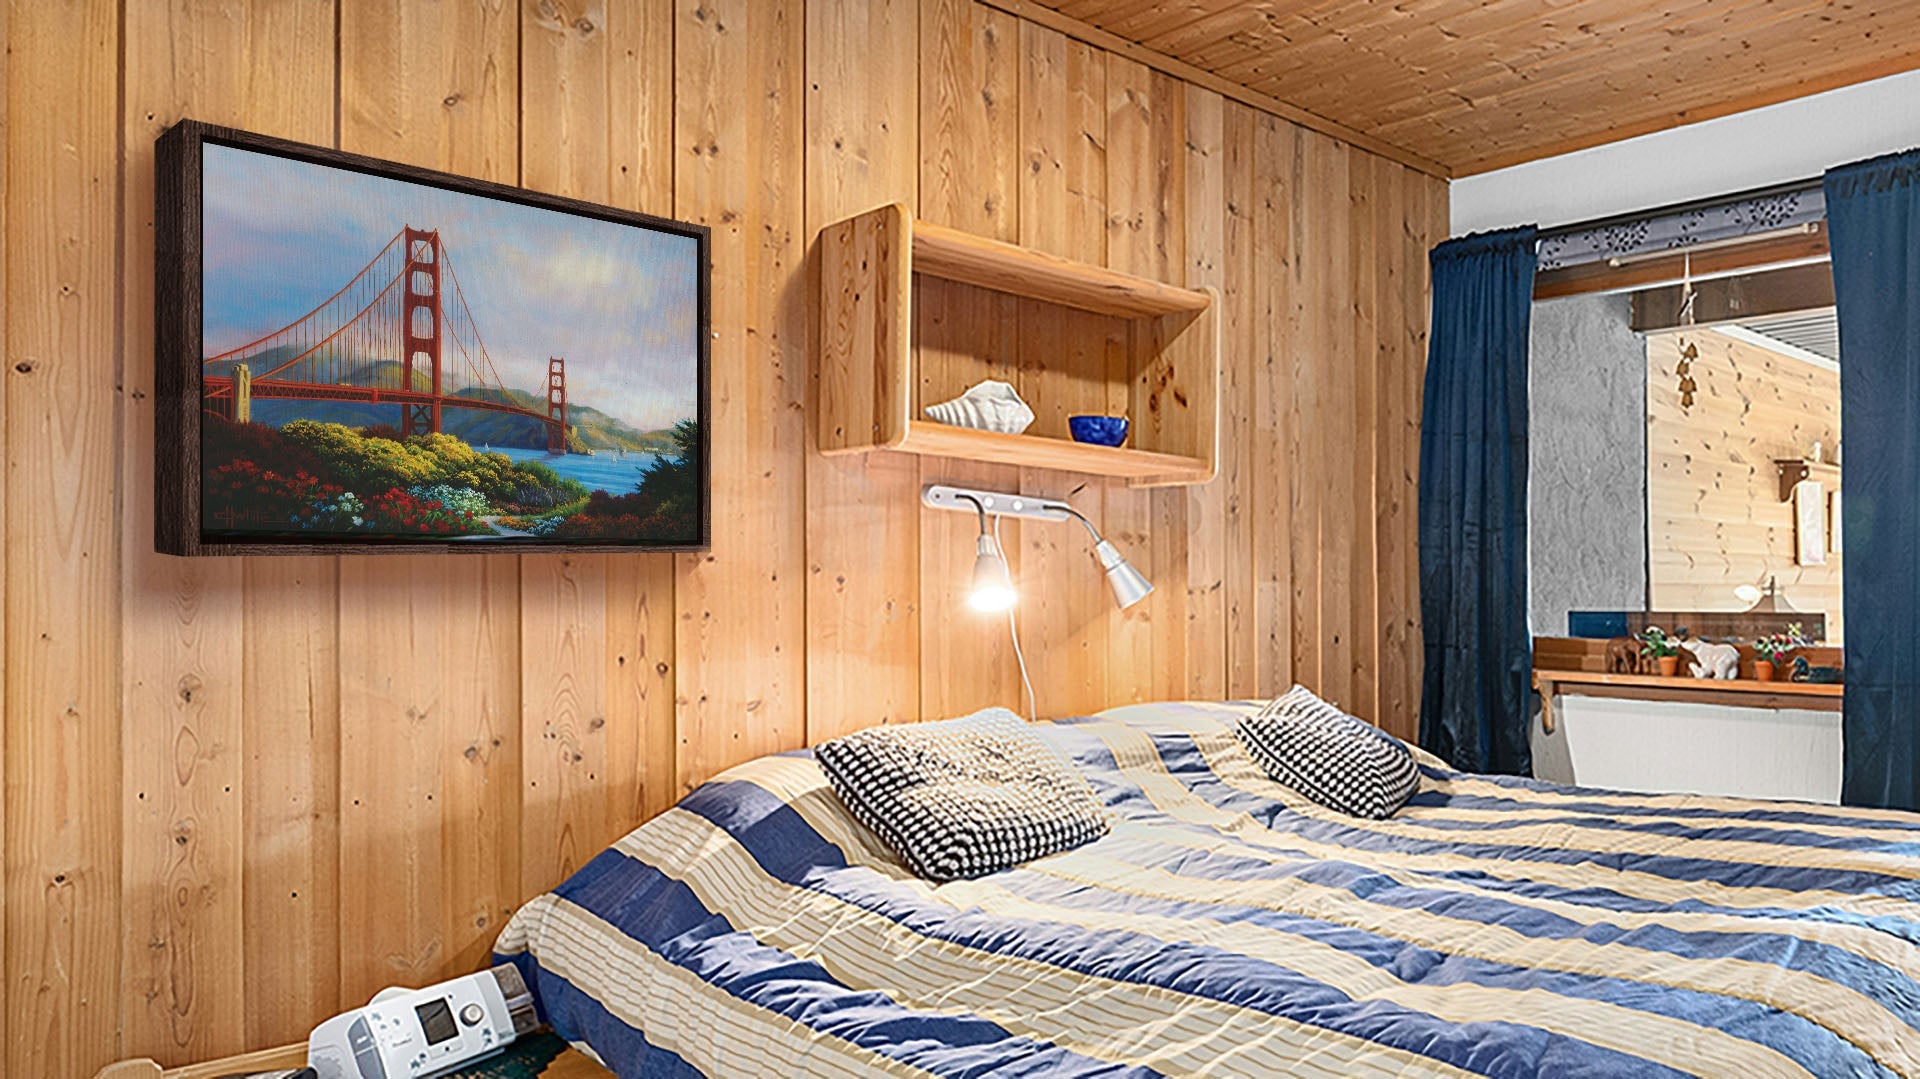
{"points": [[1774, 344]]}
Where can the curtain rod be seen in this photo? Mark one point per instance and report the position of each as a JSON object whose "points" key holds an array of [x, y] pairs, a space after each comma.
{"points": [[1808, 228], [1789, 187]]}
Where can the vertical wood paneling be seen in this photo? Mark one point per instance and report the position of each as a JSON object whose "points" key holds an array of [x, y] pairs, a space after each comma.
{"points": [[432, 84], [640, 686], [1361, 630], [969, 157], [479, 820], [1396, 437], [863, 517], [291, 686], [6, 548], [1146, 235], [1283, 567], [596, 104], [1429, 217], [186, 833], [596, 94], [566, 746], [1242, 350], [338, 774], [1332, 312], [429, 756], [1063, 361], [63, 917], [741, 631], [1205, 547], [969, 72], [393, 750], [430, 672], [1310, 357]]}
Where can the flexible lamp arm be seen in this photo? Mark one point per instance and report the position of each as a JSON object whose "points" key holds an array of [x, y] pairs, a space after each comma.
{"points": [[992, 587], [1082, 518], [1128, 584]]}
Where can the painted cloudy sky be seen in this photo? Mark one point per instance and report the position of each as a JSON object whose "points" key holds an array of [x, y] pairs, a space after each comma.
{"points": [[620, 303]]}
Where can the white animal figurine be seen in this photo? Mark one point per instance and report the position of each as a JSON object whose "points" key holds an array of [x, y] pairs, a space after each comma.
{"points": [[1721, 661]]}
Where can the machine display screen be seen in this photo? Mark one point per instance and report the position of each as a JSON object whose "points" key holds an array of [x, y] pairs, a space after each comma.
{"points": [[436, 1020]]}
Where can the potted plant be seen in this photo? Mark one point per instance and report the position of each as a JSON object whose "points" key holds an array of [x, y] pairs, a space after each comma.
{"points": [[1771, 649], [1662, 649]]}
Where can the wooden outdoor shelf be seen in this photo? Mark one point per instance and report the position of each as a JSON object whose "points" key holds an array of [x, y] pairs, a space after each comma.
{"points": [[1090, 340], [1740, 692]]}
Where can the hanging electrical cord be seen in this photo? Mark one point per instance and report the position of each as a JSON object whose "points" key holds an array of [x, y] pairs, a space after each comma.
{"points": [[992, 588], [1013, 632]]}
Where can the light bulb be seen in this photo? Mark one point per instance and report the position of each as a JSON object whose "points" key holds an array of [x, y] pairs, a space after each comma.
{"points": [[992, 586]]}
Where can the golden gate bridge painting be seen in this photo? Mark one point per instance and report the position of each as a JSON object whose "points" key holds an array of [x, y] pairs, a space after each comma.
{"points": [[390, 360], [395, 302]]}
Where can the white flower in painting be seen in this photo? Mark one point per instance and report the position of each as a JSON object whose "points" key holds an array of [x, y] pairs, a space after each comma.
{"points": [[357, 522]]}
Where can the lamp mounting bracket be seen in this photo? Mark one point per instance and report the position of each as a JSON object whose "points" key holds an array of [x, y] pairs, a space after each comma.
{"points": [[995, 503]]}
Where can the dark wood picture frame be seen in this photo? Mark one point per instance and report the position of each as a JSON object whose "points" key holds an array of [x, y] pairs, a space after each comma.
{"points": [[178, 374]]}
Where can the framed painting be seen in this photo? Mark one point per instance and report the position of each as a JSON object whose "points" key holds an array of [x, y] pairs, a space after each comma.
{"points": [[359, 356]]}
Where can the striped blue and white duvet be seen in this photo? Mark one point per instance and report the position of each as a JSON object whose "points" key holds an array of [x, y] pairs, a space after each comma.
{"points": [[1227, 927]]}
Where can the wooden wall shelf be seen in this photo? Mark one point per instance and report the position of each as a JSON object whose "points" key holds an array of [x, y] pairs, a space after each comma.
{"points": [[1740, 693], [1577, 667], [873, 376]]}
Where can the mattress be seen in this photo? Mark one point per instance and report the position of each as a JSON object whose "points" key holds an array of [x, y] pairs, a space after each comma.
{"points": [[1228, 927]]}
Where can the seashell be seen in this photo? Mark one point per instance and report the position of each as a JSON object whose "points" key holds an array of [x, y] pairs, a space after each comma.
{"points": [[990, 406]]}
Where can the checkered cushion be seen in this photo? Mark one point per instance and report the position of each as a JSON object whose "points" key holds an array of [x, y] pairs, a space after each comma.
{"points": [[962, 798], [1344, 763]]}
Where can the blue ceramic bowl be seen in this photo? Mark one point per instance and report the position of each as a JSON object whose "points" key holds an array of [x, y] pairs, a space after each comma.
{"points": [[1099, 430]]}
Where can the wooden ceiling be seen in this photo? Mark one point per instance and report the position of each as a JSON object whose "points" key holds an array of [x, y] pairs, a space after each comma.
{"points": [[1480, 84]]}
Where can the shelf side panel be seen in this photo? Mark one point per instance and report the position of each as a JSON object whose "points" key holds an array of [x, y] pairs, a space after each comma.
{"points": [[866, 276], [1176, 386]]}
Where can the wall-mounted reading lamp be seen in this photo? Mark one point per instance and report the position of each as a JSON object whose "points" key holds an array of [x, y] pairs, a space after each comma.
{"points": [[992, 586]]}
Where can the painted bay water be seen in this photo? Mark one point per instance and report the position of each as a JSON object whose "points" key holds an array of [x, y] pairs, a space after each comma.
{"points": [[601, 472]]}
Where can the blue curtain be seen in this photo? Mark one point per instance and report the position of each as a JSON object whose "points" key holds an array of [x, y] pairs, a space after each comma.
{"points": [[1476, 699], [1873, 221]]}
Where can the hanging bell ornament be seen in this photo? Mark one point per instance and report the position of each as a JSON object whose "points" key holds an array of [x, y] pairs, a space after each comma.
{"points": [[1688, 354]]}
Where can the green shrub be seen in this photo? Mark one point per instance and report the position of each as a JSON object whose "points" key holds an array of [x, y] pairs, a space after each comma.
{"points": [[379, 463]]}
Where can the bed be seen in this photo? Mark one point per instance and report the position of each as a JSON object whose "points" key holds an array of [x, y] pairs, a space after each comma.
{"points": [[1226, 926]]}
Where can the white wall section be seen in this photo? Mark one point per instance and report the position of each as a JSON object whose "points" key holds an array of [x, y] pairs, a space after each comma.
{"points": [[1794, 140], [1669, 746]]}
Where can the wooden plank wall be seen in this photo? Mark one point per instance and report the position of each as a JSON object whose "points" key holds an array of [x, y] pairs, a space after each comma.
{"points": [[1715, 520], [240, 795]]}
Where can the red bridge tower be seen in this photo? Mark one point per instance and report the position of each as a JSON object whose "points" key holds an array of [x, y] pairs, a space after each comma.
{"points": [[556, 404], [420, 328]]}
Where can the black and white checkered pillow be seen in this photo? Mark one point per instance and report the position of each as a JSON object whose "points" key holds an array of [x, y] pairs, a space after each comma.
{"points": [[1344, 763], [962, 798]]}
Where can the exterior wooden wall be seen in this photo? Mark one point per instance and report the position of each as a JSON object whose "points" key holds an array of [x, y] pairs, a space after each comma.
{"points": [[242, 794], [1715, 520]]}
